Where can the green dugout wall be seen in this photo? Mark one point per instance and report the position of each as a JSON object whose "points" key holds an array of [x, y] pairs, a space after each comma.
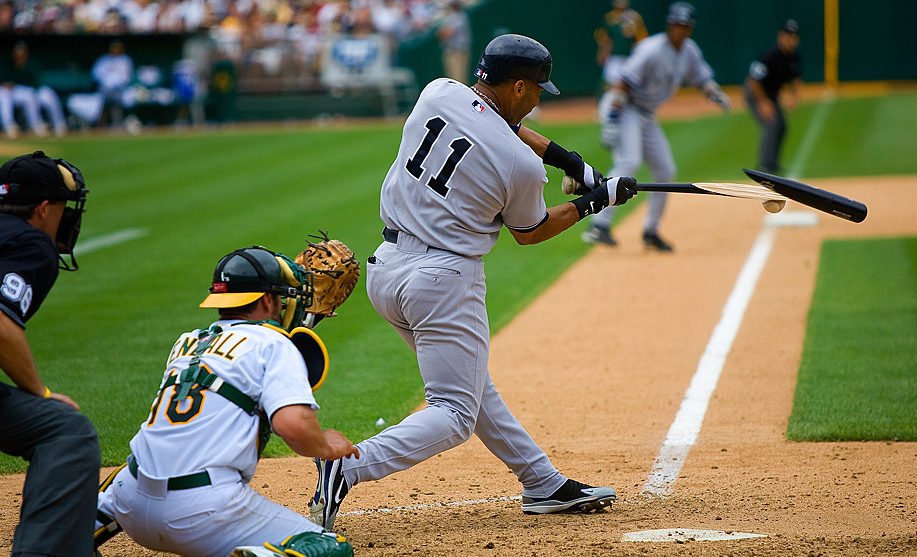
{"points": [[873, 40]]}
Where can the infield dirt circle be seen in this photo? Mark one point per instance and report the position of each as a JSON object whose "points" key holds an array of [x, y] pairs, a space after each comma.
{"points": [[596, 369]]}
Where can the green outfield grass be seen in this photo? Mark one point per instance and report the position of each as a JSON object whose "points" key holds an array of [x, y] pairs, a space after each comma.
{"points": [[103, 334], [857, 378]]}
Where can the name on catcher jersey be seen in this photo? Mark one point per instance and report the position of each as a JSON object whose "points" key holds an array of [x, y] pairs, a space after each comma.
{"points": [[205, 429], [461, 174]]}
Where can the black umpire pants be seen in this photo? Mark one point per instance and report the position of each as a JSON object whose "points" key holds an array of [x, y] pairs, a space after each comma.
{"points": [[772, 134], [61, 484]]}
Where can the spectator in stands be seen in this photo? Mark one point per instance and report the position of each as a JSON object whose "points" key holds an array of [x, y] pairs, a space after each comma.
{"points": [[20, 87], [114, 71], [142, 16], [455, 40], [390, 18]]}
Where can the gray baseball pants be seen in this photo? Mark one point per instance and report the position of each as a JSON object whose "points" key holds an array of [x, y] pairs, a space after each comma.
{"points": [[641, 140], [435, 300]]}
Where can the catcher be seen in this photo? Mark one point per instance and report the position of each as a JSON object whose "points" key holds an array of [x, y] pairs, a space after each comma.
{"points": [[185, 487]]}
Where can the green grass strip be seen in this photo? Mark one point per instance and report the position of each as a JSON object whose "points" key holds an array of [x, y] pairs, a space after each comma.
{"points": [[858, 376]]}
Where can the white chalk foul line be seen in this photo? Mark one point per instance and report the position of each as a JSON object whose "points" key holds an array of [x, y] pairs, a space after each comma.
{"points": [[813, 130], [683, 431], [108, 240]]}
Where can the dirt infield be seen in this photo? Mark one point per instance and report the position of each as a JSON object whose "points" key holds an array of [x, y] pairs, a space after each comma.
{"points": [[601, 408]]}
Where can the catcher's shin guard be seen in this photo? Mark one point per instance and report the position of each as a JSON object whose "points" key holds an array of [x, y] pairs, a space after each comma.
{"points": [[304, 544], [108, 527]]}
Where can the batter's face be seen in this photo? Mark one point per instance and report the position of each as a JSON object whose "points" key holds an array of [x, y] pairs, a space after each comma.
{"points": [[678, 33], [526, 96]]}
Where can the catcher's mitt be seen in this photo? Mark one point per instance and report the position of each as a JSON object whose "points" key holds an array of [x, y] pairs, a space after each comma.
{"points": [[335, 273]]}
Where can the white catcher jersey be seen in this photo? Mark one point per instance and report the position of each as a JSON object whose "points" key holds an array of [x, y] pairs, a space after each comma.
{"points": [[461, 174], [207, 430], [655, 70]]}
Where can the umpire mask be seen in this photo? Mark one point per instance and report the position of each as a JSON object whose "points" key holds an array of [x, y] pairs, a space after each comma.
{"points": [[31, 179]]}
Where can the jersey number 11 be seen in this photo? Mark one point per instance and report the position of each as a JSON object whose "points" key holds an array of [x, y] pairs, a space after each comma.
{"points": [[459, 147]]}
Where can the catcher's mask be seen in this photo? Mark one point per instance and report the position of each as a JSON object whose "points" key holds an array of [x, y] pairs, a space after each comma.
{"points": [[31, 179], [246, 274]]}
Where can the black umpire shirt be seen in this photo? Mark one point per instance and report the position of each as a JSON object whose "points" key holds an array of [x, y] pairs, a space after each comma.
{"points": [[28, 268], [775, 68]]}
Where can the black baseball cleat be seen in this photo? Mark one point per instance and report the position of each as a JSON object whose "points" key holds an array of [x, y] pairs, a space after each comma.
{"points": [[651, 240], [598, 235], [572, 497], [330, 491]]}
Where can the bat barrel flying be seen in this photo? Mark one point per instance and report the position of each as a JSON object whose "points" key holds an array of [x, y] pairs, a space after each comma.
{"points": [[769, 189]]}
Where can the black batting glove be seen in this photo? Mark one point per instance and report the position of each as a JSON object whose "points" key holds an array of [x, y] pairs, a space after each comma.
{"points": [[626, 188], [592, 202], [599, 198]]}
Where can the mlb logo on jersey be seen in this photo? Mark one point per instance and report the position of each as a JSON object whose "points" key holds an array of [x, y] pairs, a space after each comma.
{"points": [[477, 105], [4, 189]]}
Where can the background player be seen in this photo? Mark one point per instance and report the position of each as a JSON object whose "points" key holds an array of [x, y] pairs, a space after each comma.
{"points": [[45, 428], [461, 174], [777, 67], [621, 28], [185, 487], [652, 74]]}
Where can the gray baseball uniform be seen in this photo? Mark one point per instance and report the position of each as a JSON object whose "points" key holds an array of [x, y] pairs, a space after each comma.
{"points": [[654, 72], [460, 175]]}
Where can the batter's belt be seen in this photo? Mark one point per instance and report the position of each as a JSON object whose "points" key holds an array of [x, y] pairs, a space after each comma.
{"points": [[391, 236]]}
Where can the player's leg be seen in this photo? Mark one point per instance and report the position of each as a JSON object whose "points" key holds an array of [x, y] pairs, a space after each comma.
{"points": [[659, 159], [59, 494], [439, 298], [28, 100], [628, 157], [435, 301], [207, 521], [50, 102], [505, 437], [771, 140], [7, 118]]}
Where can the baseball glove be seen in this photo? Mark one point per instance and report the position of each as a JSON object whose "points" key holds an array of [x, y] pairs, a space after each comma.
{"points": [[335, 273]]}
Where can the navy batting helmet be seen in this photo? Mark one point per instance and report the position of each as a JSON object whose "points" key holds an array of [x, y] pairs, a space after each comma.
{"points": [[680, 13], [516, 57]]}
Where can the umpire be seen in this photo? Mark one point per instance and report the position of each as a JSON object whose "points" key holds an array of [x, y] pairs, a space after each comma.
{"points": [[777, 67], [37, 229]]}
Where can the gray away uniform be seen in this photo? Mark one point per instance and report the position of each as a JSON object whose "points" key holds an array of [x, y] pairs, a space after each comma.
{"points": [[460, 175], [654, 72]]}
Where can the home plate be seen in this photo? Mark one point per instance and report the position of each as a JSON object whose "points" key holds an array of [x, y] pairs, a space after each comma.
{"points": [[685, 535]]}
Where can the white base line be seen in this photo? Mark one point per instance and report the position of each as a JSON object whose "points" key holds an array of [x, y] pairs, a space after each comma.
{"points": [[113, 239], [690, 416], [813, 130]]}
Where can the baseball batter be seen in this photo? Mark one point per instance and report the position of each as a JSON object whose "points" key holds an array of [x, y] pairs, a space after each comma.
{"points": [[654, 71], [185, 488], [462, 173]]}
